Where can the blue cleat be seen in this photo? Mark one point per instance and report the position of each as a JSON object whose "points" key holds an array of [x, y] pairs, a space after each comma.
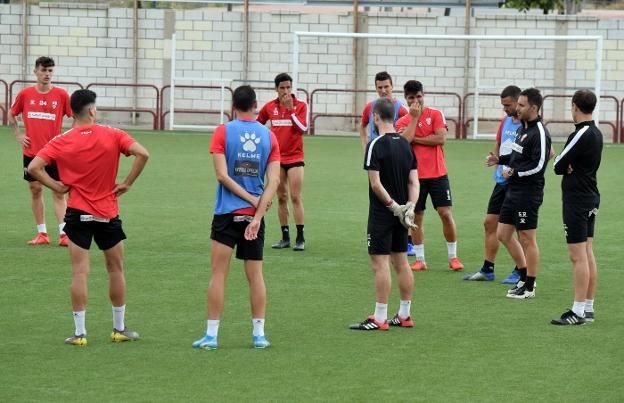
{"points": [[480, 276], [206, 342], [260, 342], [513, 278], [410, 250]]}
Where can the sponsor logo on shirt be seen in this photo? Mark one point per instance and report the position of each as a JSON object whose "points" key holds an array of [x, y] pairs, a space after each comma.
{"points": [[281, 122], [246, 168], [41, 115], [249, 141], [32, 101]]}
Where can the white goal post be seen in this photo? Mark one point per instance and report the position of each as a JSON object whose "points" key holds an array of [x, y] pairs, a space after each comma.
{"points": [[477, 67]]}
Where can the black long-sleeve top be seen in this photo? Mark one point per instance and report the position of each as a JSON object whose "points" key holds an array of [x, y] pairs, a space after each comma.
{"points": [[582, 153], [529, 156]]}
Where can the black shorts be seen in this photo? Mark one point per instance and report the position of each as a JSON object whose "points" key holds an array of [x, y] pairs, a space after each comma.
{"points": [[496, 199], [385, 237], [579, 221], [231, 233], [81, 229], [50, 169], [521, 210], [438, 188], [286, 167]]}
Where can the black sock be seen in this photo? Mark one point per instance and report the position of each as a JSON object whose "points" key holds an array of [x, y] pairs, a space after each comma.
{"points": [[285, 233], [523, 274], [409, 239], [300, 237], [488, 267], [530, 283]]}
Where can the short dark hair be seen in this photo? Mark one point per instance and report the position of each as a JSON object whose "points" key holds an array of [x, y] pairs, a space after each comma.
{"points": [[534, 97], [585, 100], [244, 98], [412, 87], [383, 76], [511, 91], [44, 61], [385, 109], [80, 99], [281, 77]]}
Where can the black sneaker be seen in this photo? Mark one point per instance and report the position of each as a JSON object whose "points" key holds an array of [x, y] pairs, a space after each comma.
{"points": [[370, 324], [299, 246], [568, 318], [521, 293], [519, 284], [282, 244], [400, 321], [589, 316]]}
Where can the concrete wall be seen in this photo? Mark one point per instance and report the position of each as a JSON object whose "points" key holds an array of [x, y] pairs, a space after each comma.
{"points": [[92, 44]]}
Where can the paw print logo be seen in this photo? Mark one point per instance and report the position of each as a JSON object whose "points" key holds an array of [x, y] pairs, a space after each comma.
{"points": [[249, 141]]}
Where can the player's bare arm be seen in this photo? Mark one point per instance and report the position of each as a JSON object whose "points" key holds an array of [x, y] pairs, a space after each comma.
{"points": [[36, 169], [436, 139], [413, 186], [220, 165], [22, 138], [140, 159], [363, 137], [273, 180]]}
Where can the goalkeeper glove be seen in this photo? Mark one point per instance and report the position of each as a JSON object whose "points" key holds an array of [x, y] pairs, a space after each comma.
{"points": [[396, 208], [407, 219]]}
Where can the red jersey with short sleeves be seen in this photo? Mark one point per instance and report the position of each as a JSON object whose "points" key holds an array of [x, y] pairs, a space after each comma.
{"points": [[88, 159], [367, 111], [217, 146], [42, 114], [430, 158], [288, 126]]}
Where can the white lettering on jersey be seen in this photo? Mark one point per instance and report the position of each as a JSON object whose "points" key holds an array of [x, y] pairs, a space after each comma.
{"points": [[41, 115], [281, 122]]}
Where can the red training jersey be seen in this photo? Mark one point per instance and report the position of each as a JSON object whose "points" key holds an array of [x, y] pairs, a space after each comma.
{"points": [[367, 111], [288, 126], [42, 114], [217, 146], [88, 159], [430, 158]]}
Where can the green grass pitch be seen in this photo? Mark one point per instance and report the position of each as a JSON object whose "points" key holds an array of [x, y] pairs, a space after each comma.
{"points": [[470, 343]]}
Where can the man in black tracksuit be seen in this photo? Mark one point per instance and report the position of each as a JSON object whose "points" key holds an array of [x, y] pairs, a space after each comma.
{"points": [[525, 173], [578, 163]]}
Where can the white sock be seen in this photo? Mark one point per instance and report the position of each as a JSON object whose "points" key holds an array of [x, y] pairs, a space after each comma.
{"points": [[119, 312], [589, 305], [451, 247], [79, 323], [579, 308], [61, 228], [42, 228], [213, 328], [381, 312], [404, 308], [258, 326], [420, 252]]}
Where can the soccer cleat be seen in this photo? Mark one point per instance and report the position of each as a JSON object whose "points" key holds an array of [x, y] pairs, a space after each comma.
{"points": [[206, 342], [370, 324], [400, 321], [513, 278], [515, 287], [63, 240], [260, 342], [410, 250], [589, 316], [80, 340], [124, 335], [282, 244], [40, 239], [568, 318], [299, 246], [480, 276], [419, 265], [521, 293], [455, 264]]}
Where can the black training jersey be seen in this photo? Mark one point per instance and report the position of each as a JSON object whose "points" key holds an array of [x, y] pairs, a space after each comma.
{"points": [[529, 156], [393, 157], [582, 154]]}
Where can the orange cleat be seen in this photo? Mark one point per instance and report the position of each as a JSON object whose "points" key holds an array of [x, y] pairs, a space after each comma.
{"points": [[40, 239], [455, 264], [63, 240], [419, 265]]}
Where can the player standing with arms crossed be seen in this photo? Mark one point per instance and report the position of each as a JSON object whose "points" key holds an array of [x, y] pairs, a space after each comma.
{"points": [[88, 161], [42, 107]]}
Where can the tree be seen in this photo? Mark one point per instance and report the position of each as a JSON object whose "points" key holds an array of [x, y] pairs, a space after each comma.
{"points": [[546, 5]]}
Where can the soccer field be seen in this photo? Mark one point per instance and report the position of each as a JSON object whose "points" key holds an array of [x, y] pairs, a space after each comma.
{"points": [[469, 343]]}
